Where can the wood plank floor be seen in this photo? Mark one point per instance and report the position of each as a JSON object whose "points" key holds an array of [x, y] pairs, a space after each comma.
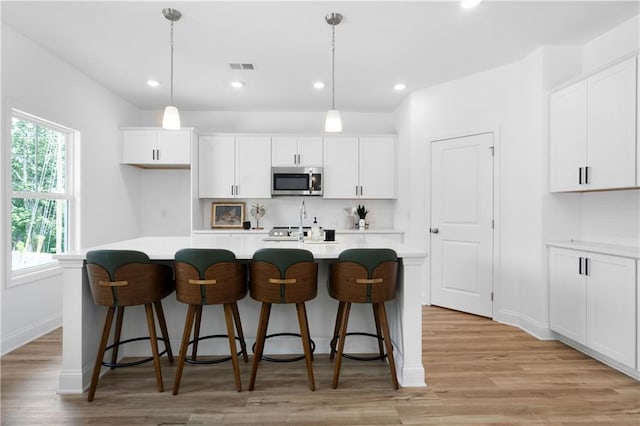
{"points": [[478, 372]]}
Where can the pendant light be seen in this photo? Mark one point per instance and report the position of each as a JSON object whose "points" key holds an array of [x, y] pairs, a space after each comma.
{"points": [[333, 123], [171, 117]]}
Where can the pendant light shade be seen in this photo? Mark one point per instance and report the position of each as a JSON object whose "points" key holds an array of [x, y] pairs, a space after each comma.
{"points": [[171, 117], [333, 123]]}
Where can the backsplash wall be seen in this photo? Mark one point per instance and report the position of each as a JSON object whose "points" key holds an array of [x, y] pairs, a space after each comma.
{"points": [[331, 214], [611, 217]]}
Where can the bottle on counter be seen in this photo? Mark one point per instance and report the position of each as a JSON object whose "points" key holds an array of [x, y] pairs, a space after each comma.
{"points": [[316, 233]]}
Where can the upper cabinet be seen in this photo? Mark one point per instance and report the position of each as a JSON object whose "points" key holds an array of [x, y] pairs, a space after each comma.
{"points": [[234, 167], [360, 167], [292, 151], [592, 131], [157, 148]]}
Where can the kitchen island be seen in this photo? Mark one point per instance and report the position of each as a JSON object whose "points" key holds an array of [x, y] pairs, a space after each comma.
{"points": [[82, 319]]}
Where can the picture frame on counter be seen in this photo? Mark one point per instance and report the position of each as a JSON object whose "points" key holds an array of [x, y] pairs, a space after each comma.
{"points": [[227, 215]]}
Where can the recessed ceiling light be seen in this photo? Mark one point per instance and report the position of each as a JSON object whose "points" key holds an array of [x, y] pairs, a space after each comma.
{"points": [[237, 84], [318, 85], [153, 83], [400, 87], [469, 4]]}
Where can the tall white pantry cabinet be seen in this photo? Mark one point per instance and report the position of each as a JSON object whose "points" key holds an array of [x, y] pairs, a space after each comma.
{"points": [[594, 298]]}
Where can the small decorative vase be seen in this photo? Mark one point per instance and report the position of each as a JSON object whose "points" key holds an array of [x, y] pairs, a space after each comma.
{"points": [[361, 224]]}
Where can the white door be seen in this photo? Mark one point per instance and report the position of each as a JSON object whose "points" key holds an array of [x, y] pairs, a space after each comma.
{"points": [[252, 167], [341, 167], [568, 294], [174, 147], [216, 166], [461, 223]]}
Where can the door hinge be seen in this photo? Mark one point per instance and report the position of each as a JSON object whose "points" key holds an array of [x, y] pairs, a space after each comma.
{"points": [[492, 296], [492, 150]]}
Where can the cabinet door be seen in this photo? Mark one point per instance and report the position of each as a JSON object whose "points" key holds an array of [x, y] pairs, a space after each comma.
{"points": [[377, 167], [310, 151], [567, 294], [173, 147], [284, 151], [253, 173], [611, 307], [138, 146], [341, 167], [611, 154], [567, 137], [216, 166]]}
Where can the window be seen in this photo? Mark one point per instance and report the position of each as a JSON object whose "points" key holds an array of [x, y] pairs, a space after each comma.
{"points": [[40, 191]]}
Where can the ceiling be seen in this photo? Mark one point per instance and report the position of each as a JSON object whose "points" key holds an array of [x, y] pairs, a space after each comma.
{"points": [[122, 44]]}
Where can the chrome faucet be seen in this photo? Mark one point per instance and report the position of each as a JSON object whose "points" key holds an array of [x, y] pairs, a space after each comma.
{"points": [[303, 214]]}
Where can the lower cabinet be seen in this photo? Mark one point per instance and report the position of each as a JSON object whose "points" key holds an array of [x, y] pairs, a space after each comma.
{"points": [[593, 301]]}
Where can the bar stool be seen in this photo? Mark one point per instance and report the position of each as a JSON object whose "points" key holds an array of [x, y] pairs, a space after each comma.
{"points": [[121, 278], [283, 276], [210, 277], [363, 276]]}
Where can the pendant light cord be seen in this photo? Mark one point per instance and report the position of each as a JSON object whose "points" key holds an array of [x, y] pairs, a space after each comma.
{"points": [[333, 66], [172, 63]]}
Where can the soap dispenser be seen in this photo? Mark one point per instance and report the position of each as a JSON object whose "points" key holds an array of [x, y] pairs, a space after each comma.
{"points": [[315, 230]]}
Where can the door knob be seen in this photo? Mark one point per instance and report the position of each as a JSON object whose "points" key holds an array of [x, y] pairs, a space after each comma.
{"points": [[434, 230]]}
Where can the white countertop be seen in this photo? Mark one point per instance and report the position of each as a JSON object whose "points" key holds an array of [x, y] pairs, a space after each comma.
{"points": [[159, 248], [266, 231], [592, 247]]}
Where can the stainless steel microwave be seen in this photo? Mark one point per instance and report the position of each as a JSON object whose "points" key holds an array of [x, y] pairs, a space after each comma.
{"points": [[296, 181]]}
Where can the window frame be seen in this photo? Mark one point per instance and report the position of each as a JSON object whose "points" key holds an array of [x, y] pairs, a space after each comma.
{"points": [[49, 268]]}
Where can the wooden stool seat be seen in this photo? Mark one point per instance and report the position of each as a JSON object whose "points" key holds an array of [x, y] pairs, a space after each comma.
{"points": [[283, 276], [210, 277], [363, 276], [121, 278]]}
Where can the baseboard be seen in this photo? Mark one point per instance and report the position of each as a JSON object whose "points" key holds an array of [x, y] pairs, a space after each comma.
{"points": [[28, 334], [527, 324]]}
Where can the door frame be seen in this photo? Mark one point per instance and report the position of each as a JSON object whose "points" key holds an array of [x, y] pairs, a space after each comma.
{"points": [[496, 209]]}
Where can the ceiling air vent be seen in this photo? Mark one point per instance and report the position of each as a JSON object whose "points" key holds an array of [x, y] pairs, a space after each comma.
{"points": [[238, 66]]}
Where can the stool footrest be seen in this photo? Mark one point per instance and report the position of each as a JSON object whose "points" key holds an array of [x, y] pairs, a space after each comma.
{"points": [[357, 357], [289, 359], [190, 360], [132, 363]]}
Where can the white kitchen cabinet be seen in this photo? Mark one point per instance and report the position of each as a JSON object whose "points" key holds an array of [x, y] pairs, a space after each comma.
{"points": [[360, 167], [593, 301], [568, 294], [611, 307], [234, 167], [592, 131], [157, 147], [292, 151]]}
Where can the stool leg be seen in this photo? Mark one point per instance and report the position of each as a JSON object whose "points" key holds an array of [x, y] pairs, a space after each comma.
{"points": [[196, 332], [376, 317], [306, 342], [343, 334], [236, 318], [116, 337], [101, 349], [163, 330], [382, 312], [151, 323], [260, 338], [336, 328], [228, 315], [188, 325]]}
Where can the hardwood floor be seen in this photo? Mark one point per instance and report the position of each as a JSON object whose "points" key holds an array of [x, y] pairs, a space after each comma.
{"points": [[478, 372]]}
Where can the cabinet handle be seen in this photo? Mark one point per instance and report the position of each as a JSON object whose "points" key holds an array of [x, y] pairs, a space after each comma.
{"points": [[356, 190], [586, 174], [586, 266], [153, 154], [237, 189], [580, 176], [580, 266], [157, 154], [231, 189]]}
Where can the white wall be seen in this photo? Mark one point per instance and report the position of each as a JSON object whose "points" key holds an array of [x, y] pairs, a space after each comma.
{"points": [[37, 82]]}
